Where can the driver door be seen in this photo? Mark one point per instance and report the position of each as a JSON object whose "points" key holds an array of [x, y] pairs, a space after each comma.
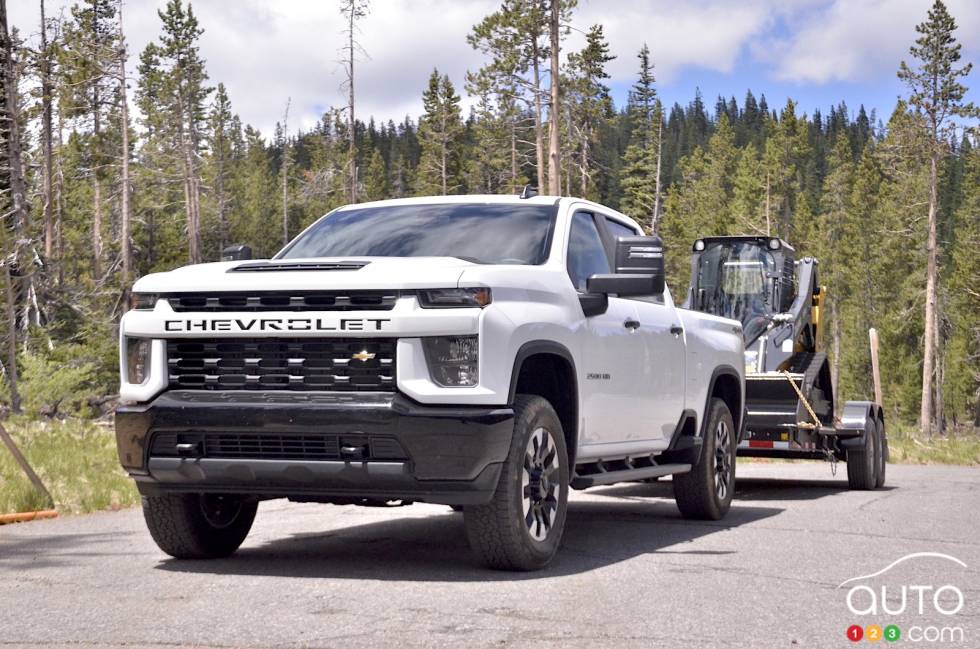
{"points": [[609, 373]]}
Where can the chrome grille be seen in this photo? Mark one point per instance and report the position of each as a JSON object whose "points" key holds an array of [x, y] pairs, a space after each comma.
{"points": [[282, 301], [282, 364]]}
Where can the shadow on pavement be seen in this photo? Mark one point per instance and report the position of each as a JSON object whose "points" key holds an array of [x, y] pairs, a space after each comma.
{"points": [[434, 548], [751, 489], [56, 550]]}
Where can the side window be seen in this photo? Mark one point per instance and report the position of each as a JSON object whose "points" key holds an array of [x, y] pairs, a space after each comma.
{"points": [[586, 254], [617, 229]]}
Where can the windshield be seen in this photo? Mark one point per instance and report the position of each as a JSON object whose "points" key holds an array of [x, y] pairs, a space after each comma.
{"points": [[734, 282], [482, 233]]}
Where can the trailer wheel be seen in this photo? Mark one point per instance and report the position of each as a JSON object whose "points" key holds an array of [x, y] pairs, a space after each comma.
{"points": [[882, 450], [705, 492], [862, 462]]}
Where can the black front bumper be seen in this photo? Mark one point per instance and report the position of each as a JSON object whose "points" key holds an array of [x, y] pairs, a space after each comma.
{"points": [[443, 454]]}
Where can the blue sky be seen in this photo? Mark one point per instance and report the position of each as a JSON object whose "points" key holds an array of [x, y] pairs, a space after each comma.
{"points": [[819, 52]]}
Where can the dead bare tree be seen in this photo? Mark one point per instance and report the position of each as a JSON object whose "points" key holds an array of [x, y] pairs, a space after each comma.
{"points": [[353, 10]]}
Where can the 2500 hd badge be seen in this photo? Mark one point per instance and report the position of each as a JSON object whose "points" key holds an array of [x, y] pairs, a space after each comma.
{"points": [[276, 324]]}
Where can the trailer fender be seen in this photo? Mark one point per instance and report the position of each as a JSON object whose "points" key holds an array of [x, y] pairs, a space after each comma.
{"points": [[856, 418]]}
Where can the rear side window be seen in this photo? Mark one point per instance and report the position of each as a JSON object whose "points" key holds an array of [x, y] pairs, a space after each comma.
{"points": [[586, 254], [617, 229]]}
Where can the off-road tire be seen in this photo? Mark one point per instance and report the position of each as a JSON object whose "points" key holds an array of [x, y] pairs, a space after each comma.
{"points": [[882, 448], [697, 491], [499, 532], [180, 527], [861, 462]]}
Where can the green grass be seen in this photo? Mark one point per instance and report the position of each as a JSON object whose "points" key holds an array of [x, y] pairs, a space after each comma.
{"points": [[75, 459], [906, 448]]}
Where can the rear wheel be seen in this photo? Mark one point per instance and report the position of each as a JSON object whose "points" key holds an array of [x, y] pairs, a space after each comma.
{"points": [[862, 461], [521, 527], [882, 449], [706, 491], [198, 526]]}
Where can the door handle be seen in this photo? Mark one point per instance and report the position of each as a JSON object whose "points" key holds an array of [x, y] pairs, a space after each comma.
{"points": [[632, 324], [677, 330]]}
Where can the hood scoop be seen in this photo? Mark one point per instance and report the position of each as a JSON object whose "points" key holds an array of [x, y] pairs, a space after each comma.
{"points": [[287, 266]]}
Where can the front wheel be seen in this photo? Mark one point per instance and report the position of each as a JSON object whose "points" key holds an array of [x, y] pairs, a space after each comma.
{"points": [[198, 526], [521, 527], [705, 492]]}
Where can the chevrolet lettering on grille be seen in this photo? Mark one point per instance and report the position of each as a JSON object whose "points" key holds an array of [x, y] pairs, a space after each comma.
{"points": [[276, 324]]}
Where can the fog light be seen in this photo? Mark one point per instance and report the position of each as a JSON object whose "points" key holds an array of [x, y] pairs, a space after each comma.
{"points": [[453, 360], [137, 360]]}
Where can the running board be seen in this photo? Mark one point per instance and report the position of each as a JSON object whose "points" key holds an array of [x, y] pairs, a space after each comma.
{"points": [[600, 477]]}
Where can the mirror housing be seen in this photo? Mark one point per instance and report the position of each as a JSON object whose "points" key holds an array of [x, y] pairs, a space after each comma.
{"points": [[639, 269], [236, 252]]}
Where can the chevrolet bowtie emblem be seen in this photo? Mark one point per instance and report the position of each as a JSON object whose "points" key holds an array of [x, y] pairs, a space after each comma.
{"points": [[363, 356]]}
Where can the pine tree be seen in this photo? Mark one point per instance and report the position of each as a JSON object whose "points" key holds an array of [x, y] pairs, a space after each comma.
{"points": [[640, 177], [935, 90], [376, 185], [183, 94], [88, 57], [440, 135], [589, 104], [749, 194], [963, 384], [513, 37]]}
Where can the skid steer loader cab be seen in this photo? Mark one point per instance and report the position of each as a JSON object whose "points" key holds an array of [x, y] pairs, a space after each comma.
{"points": [[749, 279]]}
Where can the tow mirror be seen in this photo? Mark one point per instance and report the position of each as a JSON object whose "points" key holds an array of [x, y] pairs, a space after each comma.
{"points": [[639, 269], [236, 252]]}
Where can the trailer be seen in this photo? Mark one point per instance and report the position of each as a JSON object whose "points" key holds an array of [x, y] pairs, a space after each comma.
{"points": [[791, 410]]}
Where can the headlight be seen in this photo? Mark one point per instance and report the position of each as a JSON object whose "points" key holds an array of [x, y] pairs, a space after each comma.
{"points": [[751, 361], [447, 298], [137, 360], [453, 360], [143, 301]]}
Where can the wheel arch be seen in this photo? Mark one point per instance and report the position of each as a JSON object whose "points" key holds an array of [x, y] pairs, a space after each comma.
{"points": [[856, 416], [547, 369], [726, 384]]}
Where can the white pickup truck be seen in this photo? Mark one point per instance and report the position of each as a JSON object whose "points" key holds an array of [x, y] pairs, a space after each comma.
{"points": [[484, 352]]}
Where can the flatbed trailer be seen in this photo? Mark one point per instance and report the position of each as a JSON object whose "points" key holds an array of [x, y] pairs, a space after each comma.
{"points": [[791, 412]]}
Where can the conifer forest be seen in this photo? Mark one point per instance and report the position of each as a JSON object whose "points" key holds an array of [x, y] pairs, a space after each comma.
{"points": [[117, 163]]}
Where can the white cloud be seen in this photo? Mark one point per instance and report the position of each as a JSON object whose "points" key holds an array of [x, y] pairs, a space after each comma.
{"points": [[266, 51], [856, 40]]}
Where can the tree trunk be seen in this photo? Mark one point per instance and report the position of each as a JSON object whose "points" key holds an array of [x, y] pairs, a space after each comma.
{"points": [[285, 176], [554, 162], [513, 158], [59, 241], [124, 190], [836, 343], [940, 357], [46, 137], [538, 125], [656, 195], [11, 333], [20, 208], [929, 335], [350, 104]]}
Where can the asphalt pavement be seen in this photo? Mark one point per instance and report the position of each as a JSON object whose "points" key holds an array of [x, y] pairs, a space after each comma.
{"points": [[631, 573]]}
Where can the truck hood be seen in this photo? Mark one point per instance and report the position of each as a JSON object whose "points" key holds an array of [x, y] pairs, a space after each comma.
{"points": [[327, 273]]}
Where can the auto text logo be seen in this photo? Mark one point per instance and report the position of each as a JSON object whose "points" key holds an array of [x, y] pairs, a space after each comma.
{"points": [[898, 603]]}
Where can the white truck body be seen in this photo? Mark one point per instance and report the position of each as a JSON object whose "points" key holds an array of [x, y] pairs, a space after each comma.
{"points": [[644, 369]]}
